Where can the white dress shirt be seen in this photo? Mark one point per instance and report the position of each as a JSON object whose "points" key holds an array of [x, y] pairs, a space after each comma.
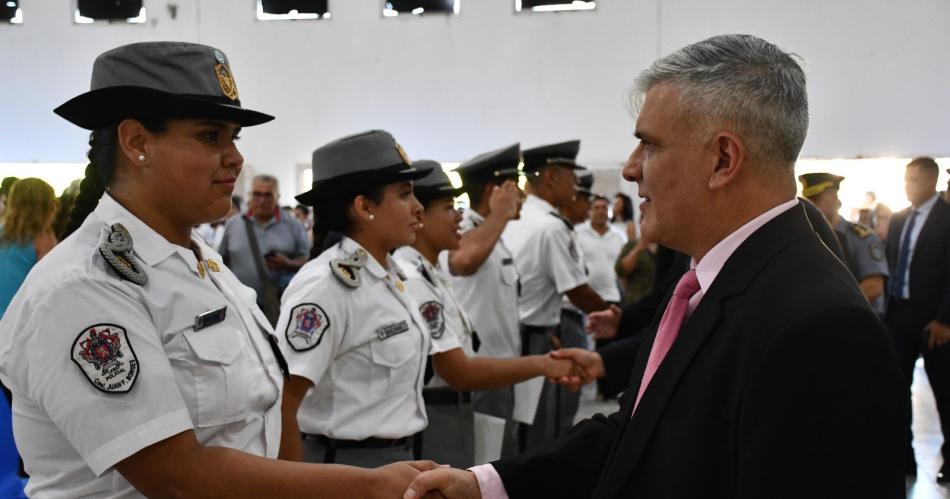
{"points": [[600, 252], [548, 261]]}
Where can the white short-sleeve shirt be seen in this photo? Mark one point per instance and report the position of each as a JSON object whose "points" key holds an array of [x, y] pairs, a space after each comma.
{"points": [[449, 325], [490, 297], [364, 347], [101, 367], [600, 252], [547, 258]]}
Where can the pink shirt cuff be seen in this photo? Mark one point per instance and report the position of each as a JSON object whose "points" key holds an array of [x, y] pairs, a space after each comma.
{"points": [[489, 482]]}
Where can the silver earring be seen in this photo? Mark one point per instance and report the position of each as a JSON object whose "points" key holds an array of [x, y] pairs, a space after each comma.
{"points": [[372, 217], [141, 157]]}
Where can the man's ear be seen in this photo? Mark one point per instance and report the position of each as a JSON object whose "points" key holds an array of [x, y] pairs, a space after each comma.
{"points": [[729, 154], [133, 141]]}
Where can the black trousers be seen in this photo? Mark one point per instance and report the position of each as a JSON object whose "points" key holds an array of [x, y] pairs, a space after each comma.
{"points": [[906, 326]]}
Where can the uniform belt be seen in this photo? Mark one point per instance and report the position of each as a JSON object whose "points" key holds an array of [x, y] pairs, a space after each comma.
{"points": [[573, 313], [446, 397], [368, 443], [526, 329]]}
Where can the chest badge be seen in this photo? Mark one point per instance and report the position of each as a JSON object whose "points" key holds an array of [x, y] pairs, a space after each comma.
{"points": [[210, 318], [388, 331]]}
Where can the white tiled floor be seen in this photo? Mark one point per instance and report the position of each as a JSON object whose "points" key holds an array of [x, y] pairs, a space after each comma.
{"points": [[927, 436]]}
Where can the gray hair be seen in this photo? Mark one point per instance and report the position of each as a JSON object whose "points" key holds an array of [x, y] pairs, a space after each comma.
{"points": [[263, 177], [740, 81]]}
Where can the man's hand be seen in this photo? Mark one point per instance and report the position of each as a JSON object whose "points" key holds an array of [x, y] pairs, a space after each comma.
{"points": [[505, 200], [393, 479], [604, 324], [588, 366], [276, 261], [939, 334], [451, 483], [555, 368]]}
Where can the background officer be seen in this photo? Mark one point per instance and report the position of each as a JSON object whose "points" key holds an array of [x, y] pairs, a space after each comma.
{"points": [[864, 248]]}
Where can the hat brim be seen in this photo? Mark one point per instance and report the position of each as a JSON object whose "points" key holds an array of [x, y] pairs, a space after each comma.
{"points": [[438, 192], [371, 178], [110, 105]]}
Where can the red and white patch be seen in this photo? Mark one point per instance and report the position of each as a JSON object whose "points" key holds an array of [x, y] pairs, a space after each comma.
{"points": [[105, 356]]}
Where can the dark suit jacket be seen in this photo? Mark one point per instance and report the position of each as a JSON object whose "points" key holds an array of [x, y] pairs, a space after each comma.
{"points": [[782, 384], [930, 267], [618, 355]]}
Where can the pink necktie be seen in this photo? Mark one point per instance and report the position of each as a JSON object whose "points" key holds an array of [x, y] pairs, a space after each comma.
{"points": [[669, 327]]}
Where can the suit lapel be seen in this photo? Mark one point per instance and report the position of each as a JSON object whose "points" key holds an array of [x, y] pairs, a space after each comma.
{"points": [[735, 277]]}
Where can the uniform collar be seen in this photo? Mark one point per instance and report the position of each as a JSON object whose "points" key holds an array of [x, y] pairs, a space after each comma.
{"points": [[842, 224], [536, 202], [149, 245], [350, 246]]}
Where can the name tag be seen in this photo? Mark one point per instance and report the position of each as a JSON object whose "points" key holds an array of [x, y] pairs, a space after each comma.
{"points": [[392, 330], [507, 261], [210, 318]]}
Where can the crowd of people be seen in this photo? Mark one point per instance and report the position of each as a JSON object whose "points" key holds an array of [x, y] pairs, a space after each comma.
{"points": [[159, 337]]}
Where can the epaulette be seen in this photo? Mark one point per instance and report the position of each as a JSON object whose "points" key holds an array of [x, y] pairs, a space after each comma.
{"points": [[862, 231], [347, 270], [566, 222], [117, 250]]}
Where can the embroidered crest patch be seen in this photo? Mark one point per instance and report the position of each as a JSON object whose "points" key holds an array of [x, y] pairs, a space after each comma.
{"points": [[306, 326], [105, 356], [433, 314]]}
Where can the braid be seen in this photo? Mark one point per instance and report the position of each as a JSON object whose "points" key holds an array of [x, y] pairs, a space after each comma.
{"points": [[99, 172]]}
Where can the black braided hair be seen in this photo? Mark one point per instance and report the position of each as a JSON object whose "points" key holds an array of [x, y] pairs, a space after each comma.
{"points": [[99, 172], [103, 144]]}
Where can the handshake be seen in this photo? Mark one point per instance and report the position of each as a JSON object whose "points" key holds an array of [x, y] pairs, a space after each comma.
{"points": [[423, 480]]}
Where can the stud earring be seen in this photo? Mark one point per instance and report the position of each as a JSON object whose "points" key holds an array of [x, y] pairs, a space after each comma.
{"points": [[141, 157], [372, 217]]}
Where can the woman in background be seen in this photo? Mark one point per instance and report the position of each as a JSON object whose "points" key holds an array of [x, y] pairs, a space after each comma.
{"points": [[26, 233]]}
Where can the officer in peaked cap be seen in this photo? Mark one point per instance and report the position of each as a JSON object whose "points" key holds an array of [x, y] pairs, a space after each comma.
{"points": [[138, 363], [355, 341], [862, 246], [485, 280], [549, 263]]}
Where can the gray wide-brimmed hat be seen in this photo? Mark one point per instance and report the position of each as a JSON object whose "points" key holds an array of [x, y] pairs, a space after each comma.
{"points": [[159, 80], [498, 164], [369, 158], [436, 184]]}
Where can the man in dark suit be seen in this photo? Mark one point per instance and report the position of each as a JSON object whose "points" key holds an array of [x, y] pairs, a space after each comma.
{"points": [[768, 375], [918, 314]]}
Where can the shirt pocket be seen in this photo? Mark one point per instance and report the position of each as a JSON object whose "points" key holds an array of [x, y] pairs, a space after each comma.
{"points": [[221, 373], [393, 373]]}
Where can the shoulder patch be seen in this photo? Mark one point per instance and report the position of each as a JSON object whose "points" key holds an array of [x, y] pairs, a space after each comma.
{"points": [[105, 356], [862, 231], [347, 270], [433, 313], [877, 250], [118, 252], [572, 249], [306, 326]]}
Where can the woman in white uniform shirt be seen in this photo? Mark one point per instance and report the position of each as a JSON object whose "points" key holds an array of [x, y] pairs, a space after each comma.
{"points": [[449, 437], [137, 362], [355, 341]]}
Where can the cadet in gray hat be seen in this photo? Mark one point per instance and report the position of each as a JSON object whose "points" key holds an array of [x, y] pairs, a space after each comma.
{"points": [[354, 339], [137, 362], [449, 438]]}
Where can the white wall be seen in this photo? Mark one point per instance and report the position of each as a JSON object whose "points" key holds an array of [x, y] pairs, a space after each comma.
{"points": [[449, 87]]}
